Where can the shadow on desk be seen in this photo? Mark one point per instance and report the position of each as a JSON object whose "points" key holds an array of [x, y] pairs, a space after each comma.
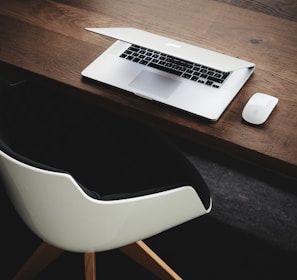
{"points": [[250, 234]]}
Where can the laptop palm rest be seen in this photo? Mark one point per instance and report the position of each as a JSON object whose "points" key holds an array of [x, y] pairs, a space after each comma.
{"points": [[154, 84]]}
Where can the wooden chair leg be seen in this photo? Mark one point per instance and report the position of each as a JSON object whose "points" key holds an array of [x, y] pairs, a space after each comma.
{"points": [[146, 257], [41, 258], [90, 266]]}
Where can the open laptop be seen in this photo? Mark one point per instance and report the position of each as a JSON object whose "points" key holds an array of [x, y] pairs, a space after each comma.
{"points": [[187, 77]]}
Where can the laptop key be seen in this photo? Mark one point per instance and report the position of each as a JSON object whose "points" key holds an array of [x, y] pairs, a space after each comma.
{"points": [[182, 68], [165, 69]]}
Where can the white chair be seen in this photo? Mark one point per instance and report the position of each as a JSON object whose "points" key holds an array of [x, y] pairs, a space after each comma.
{"points": [[54, 206], [66, 215]]}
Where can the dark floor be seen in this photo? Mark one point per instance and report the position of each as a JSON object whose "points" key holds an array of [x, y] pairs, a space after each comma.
{"points": [[250, 233], [201, 249]]}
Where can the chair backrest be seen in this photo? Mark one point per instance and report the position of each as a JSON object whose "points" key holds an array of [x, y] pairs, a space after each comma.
{"points": [[56, 209]]}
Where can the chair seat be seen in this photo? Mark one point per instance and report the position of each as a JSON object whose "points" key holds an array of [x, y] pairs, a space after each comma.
{"points": [[95, 183]]}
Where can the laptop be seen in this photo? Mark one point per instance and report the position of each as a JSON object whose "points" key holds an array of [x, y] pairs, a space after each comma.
{"points": [[187, 77]]}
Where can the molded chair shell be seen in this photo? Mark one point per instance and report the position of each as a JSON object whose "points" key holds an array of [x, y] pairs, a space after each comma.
{"points": [[54, 206]]}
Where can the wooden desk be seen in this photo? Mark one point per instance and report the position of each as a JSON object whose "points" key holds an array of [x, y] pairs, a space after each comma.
{"points": [[46, 41]]}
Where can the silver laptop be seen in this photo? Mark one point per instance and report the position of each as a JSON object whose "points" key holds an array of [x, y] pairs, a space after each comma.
{"points": [[183, 76]]}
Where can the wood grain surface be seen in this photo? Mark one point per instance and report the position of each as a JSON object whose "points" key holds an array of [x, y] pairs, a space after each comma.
{"points": [[46, 42]]}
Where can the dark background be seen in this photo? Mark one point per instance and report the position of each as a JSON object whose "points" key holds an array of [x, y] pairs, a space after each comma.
{"points": [[250, 233]]}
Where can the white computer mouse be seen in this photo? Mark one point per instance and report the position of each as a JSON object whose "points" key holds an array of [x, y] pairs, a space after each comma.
{"points": [[258, 108]]}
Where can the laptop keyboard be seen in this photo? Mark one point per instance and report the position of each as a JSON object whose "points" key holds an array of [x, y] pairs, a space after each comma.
{"points": [[182, 68]]}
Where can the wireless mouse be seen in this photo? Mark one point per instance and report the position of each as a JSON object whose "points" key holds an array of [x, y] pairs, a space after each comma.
{"points": [[258, 108]]}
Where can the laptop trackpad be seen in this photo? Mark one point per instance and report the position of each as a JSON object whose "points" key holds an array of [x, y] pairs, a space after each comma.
{"points": [[154, 84]]}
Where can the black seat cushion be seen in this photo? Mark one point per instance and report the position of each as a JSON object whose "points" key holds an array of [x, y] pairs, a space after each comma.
{"points": [[110, 156]]}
